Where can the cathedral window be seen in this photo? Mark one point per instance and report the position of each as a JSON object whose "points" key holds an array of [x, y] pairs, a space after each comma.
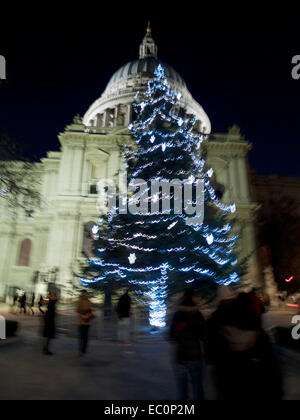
{"points": [[25, 251], [93, 189]]}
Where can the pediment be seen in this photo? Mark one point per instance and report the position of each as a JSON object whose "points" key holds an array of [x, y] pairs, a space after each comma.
{"points": [[97, 155]]}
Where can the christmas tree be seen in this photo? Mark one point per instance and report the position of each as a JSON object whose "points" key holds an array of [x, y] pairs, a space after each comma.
{"points": [[170, 230]]}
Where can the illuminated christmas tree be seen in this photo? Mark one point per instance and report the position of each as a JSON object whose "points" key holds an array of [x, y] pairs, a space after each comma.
{"points": [[170, 231]]}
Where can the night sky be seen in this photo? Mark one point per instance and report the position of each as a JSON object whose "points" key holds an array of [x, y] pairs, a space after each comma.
{"points": [[237, 65]]}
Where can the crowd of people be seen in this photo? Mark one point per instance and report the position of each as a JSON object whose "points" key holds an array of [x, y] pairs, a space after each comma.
{"points": [[86, 315], [231, 339], [24, 305]]}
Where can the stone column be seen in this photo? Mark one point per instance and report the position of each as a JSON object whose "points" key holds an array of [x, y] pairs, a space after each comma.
{"points": [[44, 236], [243, 180], [13, 250], [65, 173], [237, 179], [46, 182], [50, 187], [116, 116], [98, 120], [70, 227], [6, 249], [111, 164], [104, 121], [227, 195], [248, 248], [60, 250], [72, 169], [128, 114], [77, 166], [85, 177], [51, 245], [54, 184], [77, 246], [233, 179], [63, 163]]}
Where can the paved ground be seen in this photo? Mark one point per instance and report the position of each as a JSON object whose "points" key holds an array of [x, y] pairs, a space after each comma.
{"points": [[108, 372], [141, 372]]}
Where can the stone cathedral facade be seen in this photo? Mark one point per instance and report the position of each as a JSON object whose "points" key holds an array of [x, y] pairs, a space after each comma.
{"points": [[49, 245]]}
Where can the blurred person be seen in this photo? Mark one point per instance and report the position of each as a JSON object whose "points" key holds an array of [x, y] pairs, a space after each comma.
{"points": [[123, 311], [15, 301], [15, 298], [49, 323], [23, 300], [225, 298], [282, 296], [188, 332], [31, 306], [246, 367], [85, 312], [41, 304]]}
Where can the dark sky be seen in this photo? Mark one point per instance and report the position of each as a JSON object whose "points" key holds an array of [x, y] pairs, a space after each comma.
{"points": [[236, 64]]}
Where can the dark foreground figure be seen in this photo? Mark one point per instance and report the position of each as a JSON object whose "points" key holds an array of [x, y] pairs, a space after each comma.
{"points": [[246, 367], [49, 323], [123, 311], [187, 333], [23, 300]]}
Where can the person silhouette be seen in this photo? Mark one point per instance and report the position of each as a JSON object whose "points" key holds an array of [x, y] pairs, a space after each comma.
{"points": [[49, 323], [23, 300], [85, 313], [188, 332], [123, 311]]}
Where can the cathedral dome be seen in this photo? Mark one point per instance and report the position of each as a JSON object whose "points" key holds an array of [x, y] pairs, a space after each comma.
{"points": [[145, 67], [114, 107]]}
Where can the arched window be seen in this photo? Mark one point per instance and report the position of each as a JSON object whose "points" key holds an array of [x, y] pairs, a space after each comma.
{"points": [[24, 256]]}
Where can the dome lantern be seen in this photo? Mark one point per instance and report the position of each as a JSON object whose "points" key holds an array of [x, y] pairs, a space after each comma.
{"points": [[148, 48]]}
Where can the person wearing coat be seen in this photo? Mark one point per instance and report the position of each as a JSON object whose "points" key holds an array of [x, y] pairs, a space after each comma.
{"points": [[23, 300], [49, 323], [246, 366], [188, 333], [85, 315]]}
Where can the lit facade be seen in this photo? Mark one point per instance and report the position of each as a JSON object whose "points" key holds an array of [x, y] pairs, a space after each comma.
{"points": [[54, 240]]}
